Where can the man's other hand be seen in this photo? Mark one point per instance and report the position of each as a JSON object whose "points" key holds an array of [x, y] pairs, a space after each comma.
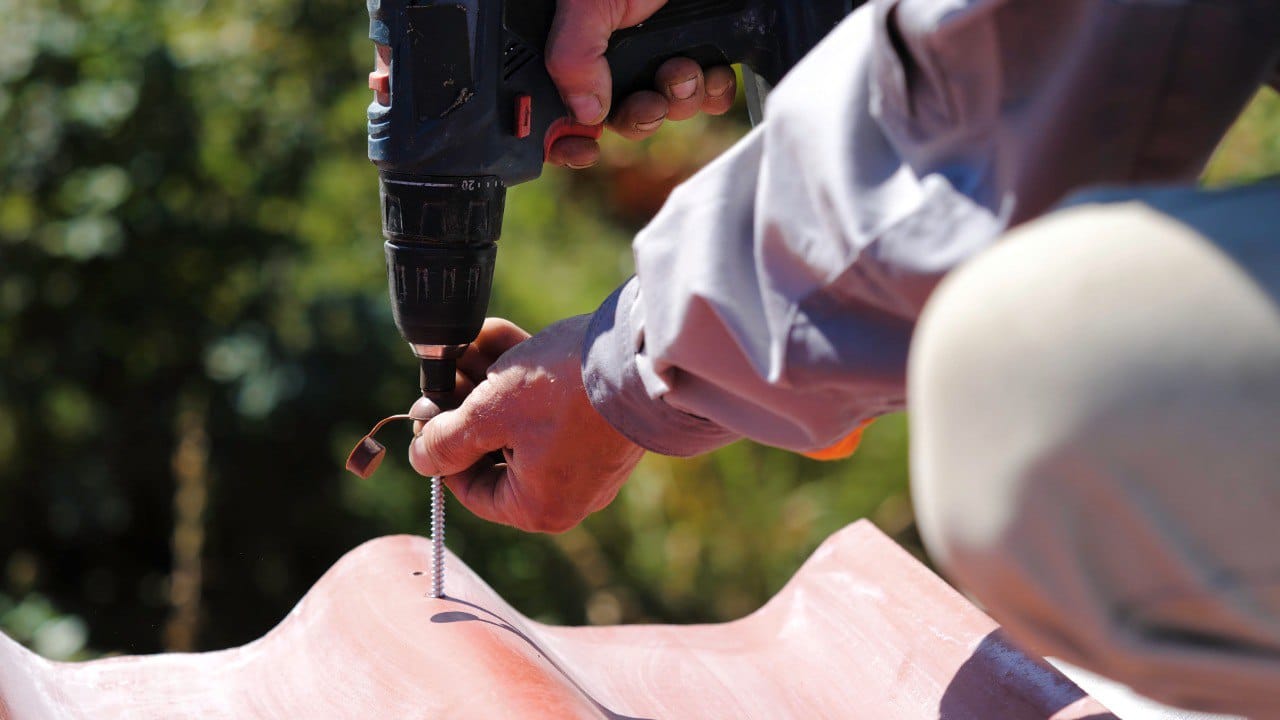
{"points": [[523, 396], [575, 59]]}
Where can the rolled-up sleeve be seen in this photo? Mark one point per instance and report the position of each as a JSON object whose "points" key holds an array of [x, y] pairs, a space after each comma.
{"points": [[776, 291]]}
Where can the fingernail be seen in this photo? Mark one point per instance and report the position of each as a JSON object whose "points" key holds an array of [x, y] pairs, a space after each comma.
{"points": [[717, 93], [651, 125], [586, 108], [584, 166], [684, 90]]}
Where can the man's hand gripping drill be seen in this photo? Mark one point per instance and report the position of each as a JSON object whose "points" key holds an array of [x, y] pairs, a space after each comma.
{"points": [[465, 106]]}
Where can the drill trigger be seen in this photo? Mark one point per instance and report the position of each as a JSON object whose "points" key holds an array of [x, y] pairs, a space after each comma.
{"points": [[567, 127]]}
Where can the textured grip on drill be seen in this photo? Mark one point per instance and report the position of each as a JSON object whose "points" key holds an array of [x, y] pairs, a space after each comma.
{"points": [[440, 246], [442, 210], [769, 36], [439, 294]]}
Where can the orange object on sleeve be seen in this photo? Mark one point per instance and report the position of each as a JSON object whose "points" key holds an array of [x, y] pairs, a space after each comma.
{"points": [[844, 448]]}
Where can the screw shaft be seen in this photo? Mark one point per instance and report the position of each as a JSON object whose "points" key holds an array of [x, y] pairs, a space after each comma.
{"points": [[437, 538]]}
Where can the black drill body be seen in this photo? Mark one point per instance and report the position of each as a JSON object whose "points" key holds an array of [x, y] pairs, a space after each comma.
{"points": [[465, 108]]}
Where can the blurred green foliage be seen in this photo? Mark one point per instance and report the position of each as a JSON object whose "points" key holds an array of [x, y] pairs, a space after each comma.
{"points": [[1251, 150], [34, 622], [188, 220]]}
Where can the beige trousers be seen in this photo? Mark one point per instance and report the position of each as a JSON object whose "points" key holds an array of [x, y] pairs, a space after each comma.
{"points": [[1095, 419]]}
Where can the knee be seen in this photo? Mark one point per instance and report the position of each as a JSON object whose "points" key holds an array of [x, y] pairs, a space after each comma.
{"points": [[1092, 409]]}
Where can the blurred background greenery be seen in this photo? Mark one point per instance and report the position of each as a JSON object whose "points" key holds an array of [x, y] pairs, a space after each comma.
{"points": [[194, 331]]}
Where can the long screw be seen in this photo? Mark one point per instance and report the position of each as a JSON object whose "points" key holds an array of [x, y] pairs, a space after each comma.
{"points": [[365, 458], [437, 538]]}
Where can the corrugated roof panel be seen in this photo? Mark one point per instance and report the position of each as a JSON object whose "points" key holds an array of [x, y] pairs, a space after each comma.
{"points": [[861, 631]]}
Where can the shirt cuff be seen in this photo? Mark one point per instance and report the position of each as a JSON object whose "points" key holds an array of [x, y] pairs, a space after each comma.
{"points": [[617, 391]]}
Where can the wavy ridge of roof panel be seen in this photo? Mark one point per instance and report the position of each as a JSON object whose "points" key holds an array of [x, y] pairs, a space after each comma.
{"points": [[861, 631]]}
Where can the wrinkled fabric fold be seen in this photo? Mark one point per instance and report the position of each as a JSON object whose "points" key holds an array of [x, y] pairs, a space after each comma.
{"points": [[777, 289]]}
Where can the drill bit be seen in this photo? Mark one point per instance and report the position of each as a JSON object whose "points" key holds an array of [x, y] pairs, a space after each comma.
{"points": [[437, 538]]}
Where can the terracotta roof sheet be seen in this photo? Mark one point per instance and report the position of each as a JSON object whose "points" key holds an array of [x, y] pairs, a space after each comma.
{"points": [[861, 631]]}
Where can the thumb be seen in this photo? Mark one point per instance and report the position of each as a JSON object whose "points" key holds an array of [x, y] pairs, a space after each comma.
{"points": [[451, 442], [575, 56]]}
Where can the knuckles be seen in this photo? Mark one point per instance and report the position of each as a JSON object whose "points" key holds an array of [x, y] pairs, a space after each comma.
{"points": [[559, 63], [567, 60]]}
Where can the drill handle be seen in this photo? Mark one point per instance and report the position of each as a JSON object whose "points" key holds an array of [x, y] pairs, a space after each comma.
{"points": [[768, 36], [462, 91]]}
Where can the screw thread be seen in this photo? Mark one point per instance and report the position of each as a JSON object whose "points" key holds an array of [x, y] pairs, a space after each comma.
{"points": [[437, 538]]}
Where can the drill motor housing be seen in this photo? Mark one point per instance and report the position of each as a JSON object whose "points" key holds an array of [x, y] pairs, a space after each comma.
{"points": [[464, 108]]}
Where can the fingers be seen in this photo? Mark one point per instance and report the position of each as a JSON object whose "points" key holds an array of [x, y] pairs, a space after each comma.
{"points": [[559, 459], [575, 60], [497, 336], [680, 81], [484, 489], [640, 115], [574, 152], [575, 51], [683, 90], [454, 441], [491, 490], [575, 57], [720, 87]]}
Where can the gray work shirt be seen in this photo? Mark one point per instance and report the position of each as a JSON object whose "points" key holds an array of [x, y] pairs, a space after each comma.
{"points": [[776, 291]]}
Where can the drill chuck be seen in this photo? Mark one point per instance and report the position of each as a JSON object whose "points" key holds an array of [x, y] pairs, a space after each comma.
{"points": [[441, 243]]}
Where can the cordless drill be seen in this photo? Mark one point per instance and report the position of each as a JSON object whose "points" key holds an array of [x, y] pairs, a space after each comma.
{"points": [[464, 108]]}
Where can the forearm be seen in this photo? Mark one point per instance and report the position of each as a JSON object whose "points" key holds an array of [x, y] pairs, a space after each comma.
{"points": [[776, 291]]}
